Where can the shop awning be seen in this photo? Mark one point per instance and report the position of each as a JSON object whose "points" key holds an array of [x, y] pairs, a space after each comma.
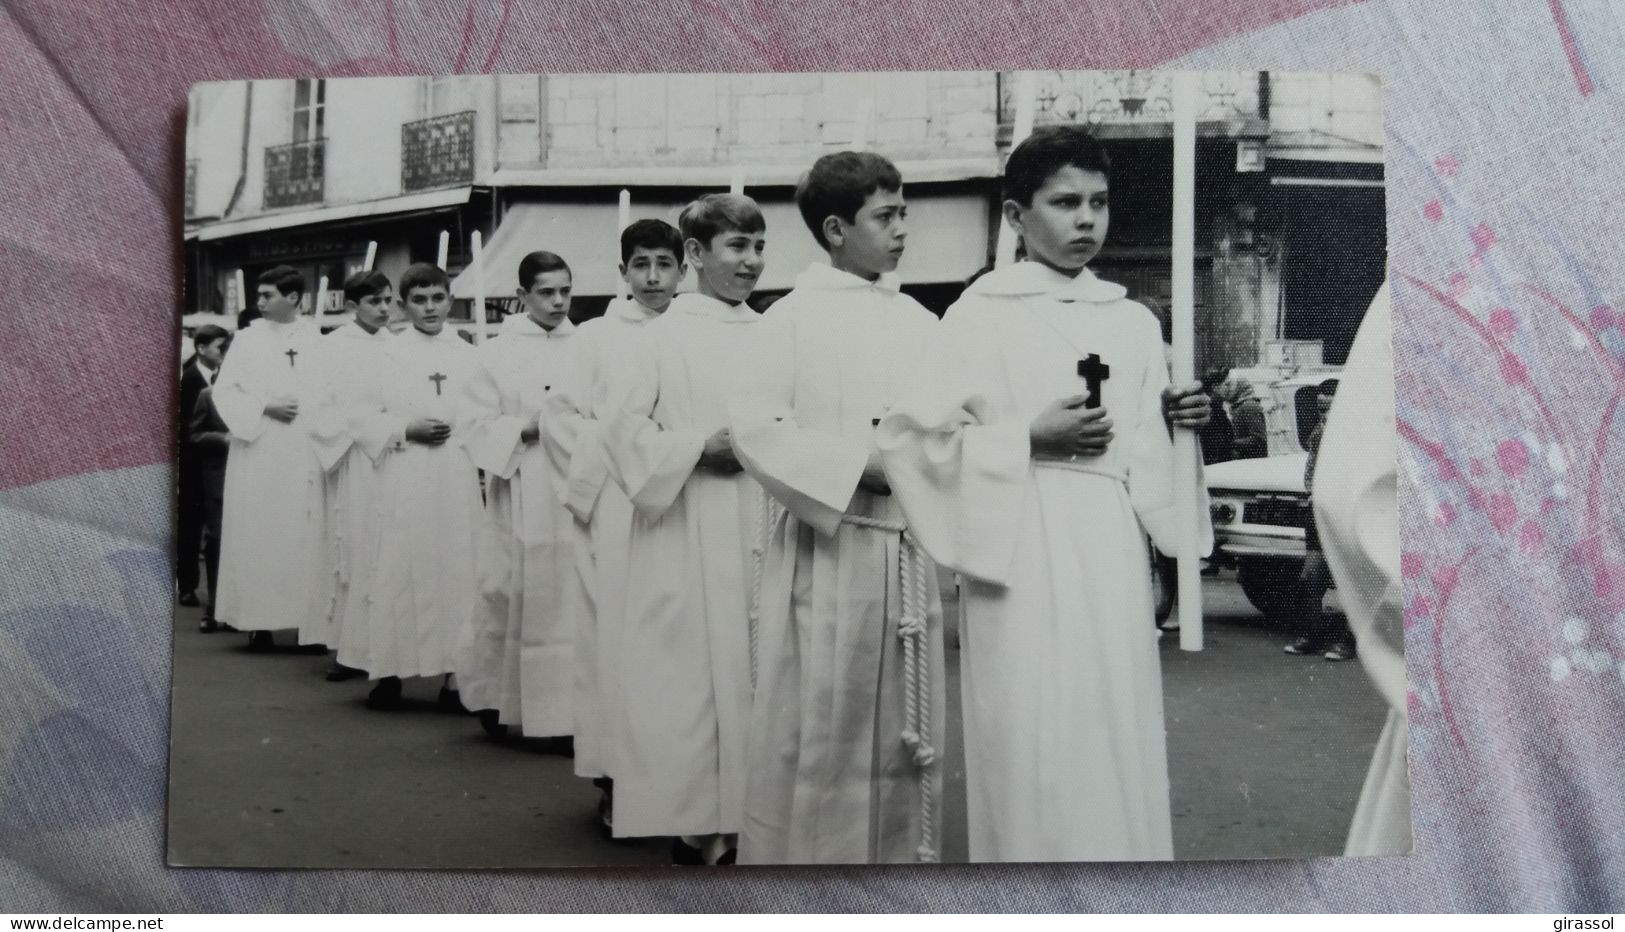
{"points": [[404, 204], [948, 241]]}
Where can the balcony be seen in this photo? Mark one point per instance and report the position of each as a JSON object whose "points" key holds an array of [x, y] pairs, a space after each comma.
{"points": [[294, 174], [191, 188], [1129, 98], [437, 152]]}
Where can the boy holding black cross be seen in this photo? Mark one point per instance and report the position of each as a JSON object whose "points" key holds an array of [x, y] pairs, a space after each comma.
{"points": [[1034, 463]]}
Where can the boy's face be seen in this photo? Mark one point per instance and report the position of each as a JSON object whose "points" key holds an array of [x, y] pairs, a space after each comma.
{"points": [[426, 307], [872, 243], [1066, 224], [548, 299], [212, 352], [277, 306], [729, 265], [372, 311], [653, 276]]}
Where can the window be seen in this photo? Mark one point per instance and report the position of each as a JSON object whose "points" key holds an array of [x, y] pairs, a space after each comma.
{"points": [[309, 109]]}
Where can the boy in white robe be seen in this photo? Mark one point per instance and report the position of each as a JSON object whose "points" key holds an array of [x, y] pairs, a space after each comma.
{"points": [[848, 718], [516, 663], [271, 572], [1356, 506], [686, 643], [1034, 464], [423, 583], [652, 267], [349, 364]]}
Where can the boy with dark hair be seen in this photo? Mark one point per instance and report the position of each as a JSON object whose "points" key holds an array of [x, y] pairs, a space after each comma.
{"points": [[209, 441], [516, 664], [199, 372], [682, 771], [423, 579], [848, 716], [353, 359], [270, 569], [1034, 465], [652, 267]]}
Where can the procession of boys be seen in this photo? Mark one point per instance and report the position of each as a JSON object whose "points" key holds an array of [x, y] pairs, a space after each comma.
{"points": [[697, 547]]}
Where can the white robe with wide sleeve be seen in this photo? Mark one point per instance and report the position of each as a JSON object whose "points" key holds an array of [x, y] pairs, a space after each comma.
{"points": [[423, 583], [831, 778], [686, 644], [517, 655], [272, 575], [1356, 509], [349, 363], [603, 346], [1065, 746]]}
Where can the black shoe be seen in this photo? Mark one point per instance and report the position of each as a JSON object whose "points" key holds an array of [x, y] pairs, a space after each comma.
{"points": [[386, 696], [731, 856], [686, 855], [1303, 647], [1340, 651], [208, 626], [261, 641], [450, 700], [606, 815], [563, 746], [188, 599], [491, 721], [338, 673]]}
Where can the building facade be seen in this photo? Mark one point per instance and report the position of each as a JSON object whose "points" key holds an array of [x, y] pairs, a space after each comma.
{"points": [[1290, 206]]}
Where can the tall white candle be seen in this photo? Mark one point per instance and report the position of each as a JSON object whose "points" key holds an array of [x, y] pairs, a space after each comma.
{"points": [[1025, 95], [736, 184], [1184, 326], [242, 293], [316, 306], [445, 249], [372, 255], [623, 219], [477, 255]]}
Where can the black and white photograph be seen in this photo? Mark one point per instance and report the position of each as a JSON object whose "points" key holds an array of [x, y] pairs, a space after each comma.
{"points": [[821, 468]]}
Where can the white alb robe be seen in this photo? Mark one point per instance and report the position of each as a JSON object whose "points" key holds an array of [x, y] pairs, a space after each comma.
{"points": [[349, 364], [517, 655], [1061, 681], [272, 574], [1356, 510], [603, 345], [686, 644], [831, 777], [423, 581]]}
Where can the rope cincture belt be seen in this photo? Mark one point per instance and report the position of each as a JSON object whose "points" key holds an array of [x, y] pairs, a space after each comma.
{"points": [[913, 631]]}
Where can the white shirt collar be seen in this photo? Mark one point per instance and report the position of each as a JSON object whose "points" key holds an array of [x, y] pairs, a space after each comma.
{"points": [[522, 324], [821, 276], [1028, 278], [699, 305]]}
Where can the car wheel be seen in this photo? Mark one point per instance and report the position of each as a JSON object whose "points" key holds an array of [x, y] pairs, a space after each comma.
{"points": [[1271, 585]]}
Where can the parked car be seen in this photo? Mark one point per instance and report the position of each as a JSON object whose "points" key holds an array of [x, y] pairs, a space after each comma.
{"points": [[1259, 506]]}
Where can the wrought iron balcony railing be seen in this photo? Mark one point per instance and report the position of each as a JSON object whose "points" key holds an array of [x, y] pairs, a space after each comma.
{"points": [[295, 173], [1116, 97], [438, 151]]}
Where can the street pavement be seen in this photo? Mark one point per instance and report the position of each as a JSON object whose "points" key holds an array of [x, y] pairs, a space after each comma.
{"points": [[272, 766]]}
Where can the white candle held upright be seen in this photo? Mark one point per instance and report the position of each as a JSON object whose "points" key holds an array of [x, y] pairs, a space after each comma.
{"points": [[372, 255], [477, 256], [623, 219], [1025, 96], [736, 183], [242, 293], [860, 131], [445, 249], [1184, 321], [317, 306]]}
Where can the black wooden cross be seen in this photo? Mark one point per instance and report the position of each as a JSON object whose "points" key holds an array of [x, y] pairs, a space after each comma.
{"points": [[1093, 372], [290, 354], [437, 378]]}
